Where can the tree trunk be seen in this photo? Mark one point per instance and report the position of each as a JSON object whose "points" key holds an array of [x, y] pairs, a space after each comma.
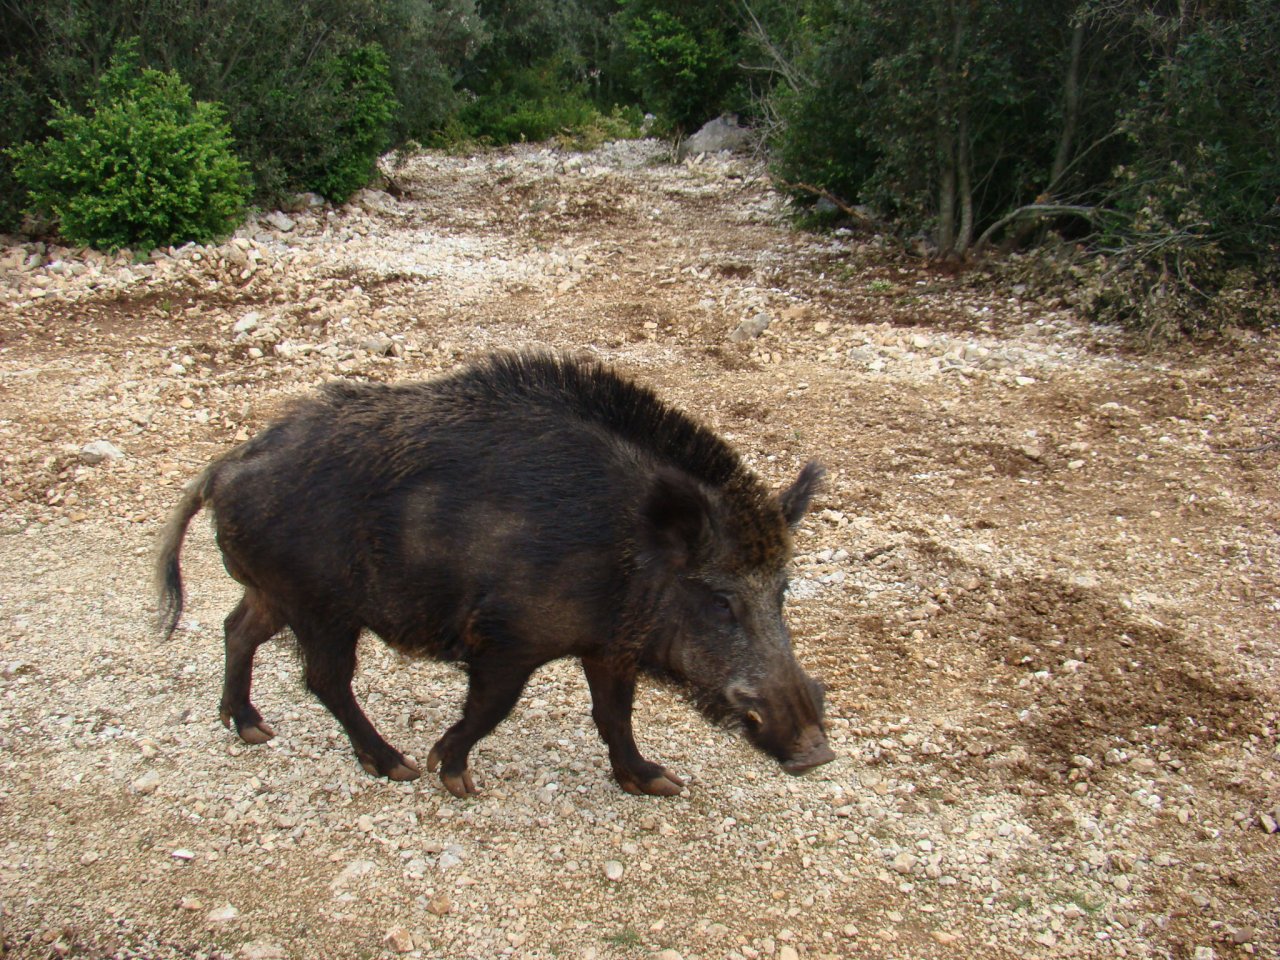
{"points": [[953, 152], [946, 237], [964, 183], [1070, 110]]}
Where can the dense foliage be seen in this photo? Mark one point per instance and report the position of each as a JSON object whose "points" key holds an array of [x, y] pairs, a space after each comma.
{"points": [[355, 86], [1145, 132], [296, 81], [144, 166], [683, 57]]}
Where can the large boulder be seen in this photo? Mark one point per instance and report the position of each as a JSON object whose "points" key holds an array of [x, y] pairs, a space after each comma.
{"points": [[721, 134]]}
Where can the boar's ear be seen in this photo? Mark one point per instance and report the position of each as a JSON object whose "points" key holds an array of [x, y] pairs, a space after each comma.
{"points": [[676, 518], [795, 499]]}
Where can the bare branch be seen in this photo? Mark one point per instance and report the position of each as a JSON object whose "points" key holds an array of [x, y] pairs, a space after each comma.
{"points": [[1039, 211], [794, 77], [826, 195]]}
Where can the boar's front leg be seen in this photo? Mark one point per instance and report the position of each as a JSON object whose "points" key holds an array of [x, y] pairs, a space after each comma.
{"points": [[613, 692]]}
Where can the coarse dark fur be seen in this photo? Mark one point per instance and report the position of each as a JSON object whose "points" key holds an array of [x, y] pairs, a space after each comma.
{"points": [[525, 508]]}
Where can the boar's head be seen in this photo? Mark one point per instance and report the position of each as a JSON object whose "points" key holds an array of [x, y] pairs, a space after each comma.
{"points": [[718, 558]]}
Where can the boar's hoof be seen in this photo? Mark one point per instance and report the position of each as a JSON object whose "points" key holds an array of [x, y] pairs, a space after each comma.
{"points": [[404, 769], [459, 784], [253, 729], [663, 784], [409, 770], [256, 733]]}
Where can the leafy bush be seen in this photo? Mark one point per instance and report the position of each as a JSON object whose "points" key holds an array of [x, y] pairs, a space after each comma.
{"points": [[22, 118], [1195, 203], [536, 103], [684, 56], [289, 77], [358, 92], [540, 102], [938, 115], [144, 166]]}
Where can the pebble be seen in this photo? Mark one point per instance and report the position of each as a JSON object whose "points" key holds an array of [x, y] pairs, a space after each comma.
{"points": [[378, 346], [750, 328], [352, 871], [613, 870], [263, 950], [398, 939], [147, 783], [16, 668], [905, 862], [99, 451], [279, 221], [223, 914]]}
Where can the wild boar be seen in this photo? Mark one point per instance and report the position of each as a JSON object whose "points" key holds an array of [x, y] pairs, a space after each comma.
{"points": [[524, 508]]}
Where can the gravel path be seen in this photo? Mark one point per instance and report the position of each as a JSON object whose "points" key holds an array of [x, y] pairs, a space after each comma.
{"points": [[1042, 587]]}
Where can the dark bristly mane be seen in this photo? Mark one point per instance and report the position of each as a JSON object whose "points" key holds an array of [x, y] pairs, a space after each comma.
{"points": [[590, 390], [596, 393]]}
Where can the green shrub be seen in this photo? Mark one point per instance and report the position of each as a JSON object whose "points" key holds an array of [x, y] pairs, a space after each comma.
{"points": [[361, 106], [1195, 202], [537, 103], [530, 104], [22, 118], [143, 167], [684, 58]]}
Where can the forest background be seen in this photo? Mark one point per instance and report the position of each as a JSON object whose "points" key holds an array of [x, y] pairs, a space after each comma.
{"points": [[1127, 150]]}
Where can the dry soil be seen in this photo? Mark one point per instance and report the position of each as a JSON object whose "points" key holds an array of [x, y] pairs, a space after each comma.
{"points": [[1042, 586]]}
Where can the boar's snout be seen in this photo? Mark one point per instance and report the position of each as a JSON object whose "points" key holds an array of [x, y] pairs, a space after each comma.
{"points": [[786, 722], [812, 751]]}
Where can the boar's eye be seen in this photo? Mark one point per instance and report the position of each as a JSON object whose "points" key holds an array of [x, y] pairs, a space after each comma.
{"points": [[721, 606]]}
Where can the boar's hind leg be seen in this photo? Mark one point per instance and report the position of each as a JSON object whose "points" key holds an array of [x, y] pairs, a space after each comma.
{"points": [[613, 691], [251, 624], [329, 655], [494, 688]]}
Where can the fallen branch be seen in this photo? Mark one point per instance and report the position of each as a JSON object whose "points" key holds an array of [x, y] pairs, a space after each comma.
{"points": [[1039, 211], [826, 195]]}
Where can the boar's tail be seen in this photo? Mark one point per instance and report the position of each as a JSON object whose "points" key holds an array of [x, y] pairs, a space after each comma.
{"points": [[168, 573]]}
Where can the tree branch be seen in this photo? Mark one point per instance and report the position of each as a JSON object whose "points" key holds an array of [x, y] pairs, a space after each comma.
{"points": [[795, 78], [1039, 211], [825, 195]]}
